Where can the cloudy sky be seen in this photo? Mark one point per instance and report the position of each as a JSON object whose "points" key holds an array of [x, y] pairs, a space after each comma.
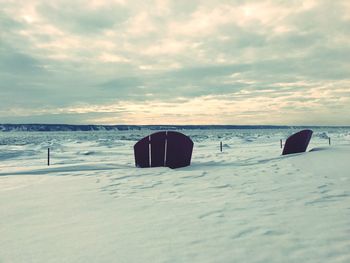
{"points": [[175, 62]]}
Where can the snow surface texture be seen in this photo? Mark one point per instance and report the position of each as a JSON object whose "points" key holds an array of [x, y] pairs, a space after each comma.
{"points": [[246, 204]]}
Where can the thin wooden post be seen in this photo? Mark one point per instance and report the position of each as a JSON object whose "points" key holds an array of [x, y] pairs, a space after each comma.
{"points": [[48, 156], [329, 140], [220, 146], [281, 142]]}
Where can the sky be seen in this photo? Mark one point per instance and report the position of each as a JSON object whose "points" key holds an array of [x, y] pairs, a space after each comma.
{"points": [[175, 62]]}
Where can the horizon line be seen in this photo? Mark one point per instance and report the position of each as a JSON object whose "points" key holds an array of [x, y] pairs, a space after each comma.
{"points": [[185, 125]]}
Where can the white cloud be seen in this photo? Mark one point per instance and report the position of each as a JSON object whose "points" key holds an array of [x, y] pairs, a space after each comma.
{"points": [[106, 57], [140, 25], [166, 47]]}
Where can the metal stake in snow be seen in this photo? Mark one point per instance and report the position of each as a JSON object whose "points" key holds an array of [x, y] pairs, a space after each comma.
{"points": [[48, 156], [220, 146], [281, 143]]}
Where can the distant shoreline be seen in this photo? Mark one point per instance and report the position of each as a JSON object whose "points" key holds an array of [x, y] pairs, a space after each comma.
{"points": [[70, 127]]}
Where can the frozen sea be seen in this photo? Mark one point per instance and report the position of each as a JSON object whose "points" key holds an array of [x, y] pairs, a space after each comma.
{"points": [[245, 204]]}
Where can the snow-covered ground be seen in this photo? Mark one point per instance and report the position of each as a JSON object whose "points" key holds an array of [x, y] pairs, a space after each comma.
{"points": [[246, 204]]}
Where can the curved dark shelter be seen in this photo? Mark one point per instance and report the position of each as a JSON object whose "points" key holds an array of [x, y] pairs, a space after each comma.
{"points": [[297, 142], [166, 148]]}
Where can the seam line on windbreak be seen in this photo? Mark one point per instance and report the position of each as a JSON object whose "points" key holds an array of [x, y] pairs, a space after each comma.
{"points": [[149, 151], [165, 147]]}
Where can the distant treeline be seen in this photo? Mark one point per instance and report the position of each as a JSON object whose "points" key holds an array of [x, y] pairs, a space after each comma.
{"points": [[68, 127]]}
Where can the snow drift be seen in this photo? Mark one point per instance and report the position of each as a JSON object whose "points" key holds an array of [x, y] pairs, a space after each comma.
{"points": [[246, 204]]}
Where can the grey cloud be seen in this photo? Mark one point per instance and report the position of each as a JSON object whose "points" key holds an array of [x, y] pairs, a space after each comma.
{"points": [[295, 41], [189, 83], [122, 84], [75, 16], [9, 23], [13, 62], [210, 71], [62, 118]]}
